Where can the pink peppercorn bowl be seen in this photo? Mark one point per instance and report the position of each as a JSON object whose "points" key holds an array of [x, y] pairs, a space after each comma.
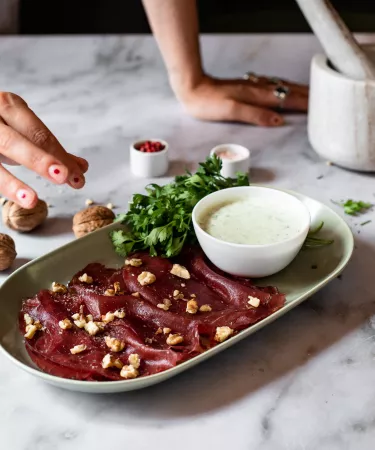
{"points": [[149, 165]]}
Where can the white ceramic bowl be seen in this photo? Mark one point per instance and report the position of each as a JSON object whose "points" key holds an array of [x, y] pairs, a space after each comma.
{"points": [[231, 166], [251, 260], [149, 165]]}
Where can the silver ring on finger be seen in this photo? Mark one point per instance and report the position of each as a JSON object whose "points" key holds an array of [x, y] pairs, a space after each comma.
{"points": [[251, 76], [281, 92]]}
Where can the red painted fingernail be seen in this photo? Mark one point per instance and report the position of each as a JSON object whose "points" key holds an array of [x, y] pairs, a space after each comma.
{"points": [[276, 120], [77, 181], [24, 196], [57, 173], [21, 194]]}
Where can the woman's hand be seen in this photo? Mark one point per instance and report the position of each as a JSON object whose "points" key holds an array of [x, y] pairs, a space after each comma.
{"points": [[175, 26], [25, 140], [241, 100]]}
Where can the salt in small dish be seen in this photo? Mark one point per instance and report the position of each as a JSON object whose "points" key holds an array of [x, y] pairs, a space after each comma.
{"points": [[235, 158]]}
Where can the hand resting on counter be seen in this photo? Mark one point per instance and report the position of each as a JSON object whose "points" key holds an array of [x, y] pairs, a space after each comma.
{"points": [[239, 100]]}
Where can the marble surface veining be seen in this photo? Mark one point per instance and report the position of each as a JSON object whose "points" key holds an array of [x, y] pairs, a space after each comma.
{"points": [[304, 383]]}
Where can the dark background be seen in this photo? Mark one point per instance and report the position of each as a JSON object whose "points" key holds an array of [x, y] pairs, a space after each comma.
{"points": [[216, 16]]}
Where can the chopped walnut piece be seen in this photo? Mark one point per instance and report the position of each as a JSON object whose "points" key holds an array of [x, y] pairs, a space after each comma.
{"points": [[180, 271], [193, 296], [178, 295], [117, 287], [166, 330], [110, 205], [38, 324], [136, 294], [114, 344], [183, 285], [110, 292], [28, 319], [134, 360], [101, 325], [192, 307], [78, 349], [253, 301], [174, 339], [205, 308], [79, 318], [120, 313], [109, 361], [159, 331], [146, 278], [223, 333], [162, 306], [89, 318], [92, 328], [165, 305], [65, 324], [31, 329], [89, 202], [129, 372], [109, 317], [59, 288], [149, 340], [134, 262], [86, 279], [80, 323]]}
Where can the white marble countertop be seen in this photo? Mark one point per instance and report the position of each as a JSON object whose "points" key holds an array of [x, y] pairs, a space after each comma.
{"points": [[307, 381]]}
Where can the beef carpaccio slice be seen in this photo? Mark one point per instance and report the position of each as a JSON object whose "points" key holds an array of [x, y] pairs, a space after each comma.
{"points": [[151, 313]]}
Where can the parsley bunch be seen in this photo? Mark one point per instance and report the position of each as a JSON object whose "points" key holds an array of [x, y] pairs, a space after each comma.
{"points": [[161, 221]]}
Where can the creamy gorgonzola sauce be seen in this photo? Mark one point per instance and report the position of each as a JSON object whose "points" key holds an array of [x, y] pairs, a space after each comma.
{"points": [[251, 221]]}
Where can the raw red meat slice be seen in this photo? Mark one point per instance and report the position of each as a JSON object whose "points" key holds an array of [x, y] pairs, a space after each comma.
{"points": [[141, 330]]}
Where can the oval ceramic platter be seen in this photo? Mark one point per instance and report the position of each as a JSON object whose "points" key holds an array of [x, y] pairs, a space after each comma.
{"points": [[298, 281]]}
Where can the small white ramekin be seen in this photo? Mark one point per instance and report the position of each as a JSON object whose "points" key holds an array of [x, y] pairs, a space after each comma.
{"points": [[232, 166], [149, 165], [251, 260]]}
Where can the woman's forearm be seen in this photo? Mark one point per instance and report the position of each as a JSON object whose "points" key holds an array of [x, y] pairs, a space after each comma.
{"points": [[175, 27]]}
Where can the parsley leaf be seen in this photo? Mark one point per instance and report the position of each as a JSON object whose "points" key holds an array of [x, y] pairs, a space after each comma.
{"points": [[353, 207], [161, 221]]}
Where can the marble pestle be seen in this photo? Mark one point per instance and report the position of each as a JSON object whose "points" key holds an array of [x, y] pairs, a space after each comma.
{"points": [[338, 42]]}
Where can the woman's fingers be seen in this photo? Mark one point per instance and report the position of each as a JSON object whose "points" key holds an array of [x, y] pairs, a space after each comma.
{"points": [[265, 96], [14, 189], [62, 167], [16, 147], [242, 112], [83, 164], [301, 88]]}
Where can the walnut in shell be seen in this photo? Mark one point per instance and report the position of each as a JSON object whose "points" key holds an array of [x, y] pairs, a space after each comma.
{"points": [[23, 220], [7, 251], [91, 219]]}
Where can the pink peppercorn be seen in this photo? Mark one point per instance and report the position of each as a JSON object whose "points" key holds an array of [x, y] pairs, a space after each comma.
{"points": [[150, 147]]}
